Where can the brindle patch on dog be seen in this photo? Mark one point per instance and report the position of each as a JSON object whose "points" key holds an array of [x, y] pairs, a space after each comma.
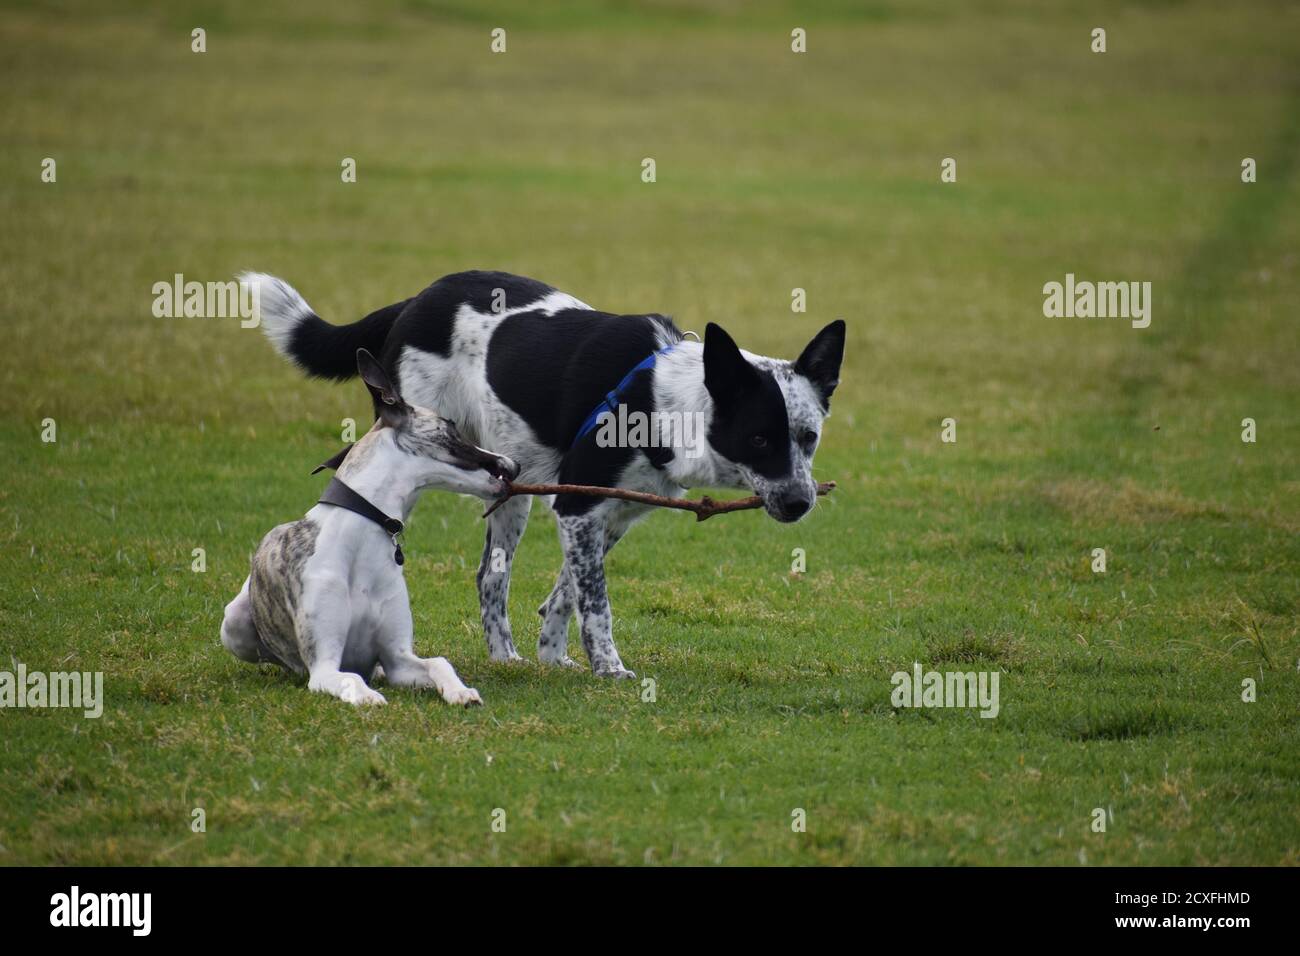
{"points": [[275, 591]]}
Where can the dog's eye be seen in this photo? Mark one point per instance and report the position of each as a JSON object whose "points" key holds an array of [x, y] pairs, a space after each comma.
{"points": [[808, 439], [758, 441]]}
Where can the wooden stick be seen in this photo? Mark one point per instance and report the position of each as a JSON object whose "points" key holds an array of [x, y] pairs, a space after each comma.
{"points": [[706, 507]]}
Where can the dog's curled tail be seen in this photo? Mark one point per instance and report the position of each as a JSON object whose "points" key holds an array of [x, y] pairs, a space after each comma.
{"points": [[300, 335]]}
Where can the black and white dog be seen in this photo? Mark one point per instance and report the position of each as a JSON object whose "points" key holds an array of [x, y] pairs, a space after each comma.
{"points": [[525, 369]]}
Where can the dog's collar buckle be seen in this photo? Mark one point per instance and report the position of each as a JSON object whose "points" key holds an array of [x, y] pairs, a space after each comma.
{"points": [[340, 495]]}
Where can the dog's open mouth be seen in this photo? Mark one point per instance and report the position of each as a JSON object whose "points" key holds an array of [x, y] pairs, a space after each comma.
{"points": [[503, 471]]}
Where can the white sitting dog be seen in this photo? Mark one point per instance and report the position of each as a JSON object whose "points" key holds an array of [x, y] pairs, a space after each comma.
{"points": [[326, 596]]}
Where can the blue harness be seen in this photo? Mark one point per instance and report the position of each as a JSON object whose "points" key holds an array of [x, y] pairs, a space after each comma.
{"points": [[612, 399]]}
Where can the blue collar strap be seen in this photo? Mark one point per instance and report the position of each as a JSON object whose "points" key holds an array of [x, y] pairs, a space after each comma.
{"points": [[612, 399]]}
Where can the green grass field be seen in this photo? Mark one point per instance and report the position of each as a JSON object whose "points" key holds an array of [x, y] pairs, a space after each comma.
{"points": [[775, 170]]}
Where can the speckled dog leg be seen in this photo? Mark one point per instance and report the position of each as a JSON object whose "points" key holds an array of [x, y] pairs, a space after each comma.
{"points": [[505, 527], [584, 551], [553, 644]]}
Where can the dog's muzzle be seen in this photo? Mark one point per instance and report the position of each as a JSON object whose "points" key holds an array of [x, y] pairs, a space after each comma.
{"points": [[501, 468], [793, 506], [788, 502]]}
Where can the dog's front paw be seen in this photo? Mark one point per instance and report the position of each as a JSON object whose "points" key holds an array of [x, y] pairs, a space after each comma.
{"points": [[464, 697], [619, 673], [355, 692], [565, 661]]}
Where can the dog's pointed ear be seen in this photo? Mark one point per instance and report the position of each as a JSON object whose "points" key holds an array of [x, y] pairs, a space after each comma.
{"points": [[820, 361], [389, 407], [335, 461], [726, 373]]}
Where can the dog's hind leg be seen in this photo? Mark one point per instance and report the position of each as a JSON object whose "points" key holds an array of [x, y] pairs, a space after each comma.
{"points": [[238, 635], [505, 527]]}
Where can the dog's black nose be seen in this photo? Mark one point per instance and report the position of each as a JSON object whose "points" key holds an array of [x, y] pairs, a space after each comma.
{"points": [[795, 505]]}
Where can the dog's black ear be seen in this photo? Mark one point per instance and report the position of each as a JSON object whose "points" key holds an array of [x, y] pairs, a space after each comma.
{"points": [[820, 361], [727, 375], [335, 461], [389, 407]]}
